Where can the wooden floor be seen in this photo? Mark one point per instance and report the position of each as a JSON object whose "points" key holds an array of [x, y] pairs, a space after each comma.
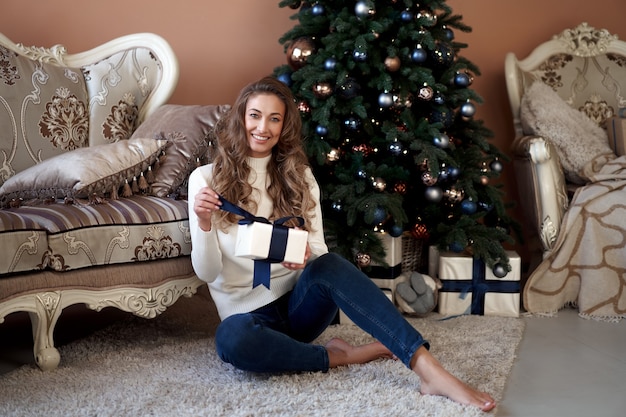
{"points": [[566, 366]]}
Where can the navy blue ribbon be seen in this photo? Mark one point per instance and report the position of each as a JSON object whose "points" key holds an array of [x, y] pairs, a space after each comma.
{"points": [[278, 240], [479, 286]]}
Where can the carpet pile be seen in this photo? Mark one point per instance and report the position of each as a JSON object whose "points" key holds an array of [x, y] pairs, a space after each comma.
{"points": [[168, 367]]}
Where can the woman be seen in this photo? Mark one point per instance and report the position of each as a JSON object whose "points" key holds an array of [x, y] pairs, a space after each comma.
{"points": [[261, 166]]}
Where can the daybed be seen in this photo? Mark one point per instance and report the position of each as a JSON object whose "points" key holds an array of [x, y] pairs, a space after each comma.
{"points": [[564, 96], [92, 181]]}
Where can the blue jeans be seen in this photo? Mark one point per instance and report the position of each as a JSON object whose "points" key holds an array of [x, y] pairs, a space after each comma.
{"points": [[276, 338]]}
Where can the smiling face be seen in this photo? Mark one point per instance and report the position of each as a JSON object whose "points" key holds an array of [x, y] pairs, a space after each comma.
{"points": [[265, 114]]}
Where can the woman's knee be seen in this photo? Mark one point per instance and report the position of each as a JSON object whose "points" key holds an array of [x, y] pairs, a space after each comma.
{"points": [[233, 333]]}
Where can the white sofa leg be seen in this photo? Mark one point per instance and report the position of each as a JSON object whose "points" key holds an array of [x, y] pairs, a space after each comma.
{"points": [[43, 319]]}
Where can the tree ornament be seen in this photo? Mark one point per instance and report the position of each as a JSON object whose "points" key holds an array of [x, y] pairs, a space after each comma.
{"points": [[365, 149], [380, 214], [396, 230], [448, 33], [496, 165], [400, 187], [317, 9], [462, 79], [454, 195], [420, 231], [361, 174], [441, 141], [442, 55], [419, 54], [428, 18], [392, 64], [352, 123], [359, 56], [322, 90], [395, 148], [285, 78], [456, 247], [468, 110], [364, 9], [330, 64], [385, 100], [428, 178], [349, 89], [321, 130], [333, 155], [363, 259], [379, 184], [439, 98], [299, 52], [426, 93], [442, 115], [499, 271], [303, 106], [337, 206], [453, 173], [484, 180], [433, 194], [468, 206], [406, 15]]}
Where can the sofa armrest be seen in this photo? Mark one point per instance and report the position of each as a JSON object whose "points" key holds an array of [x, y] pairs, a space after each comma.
{"points": [[542, 188]]}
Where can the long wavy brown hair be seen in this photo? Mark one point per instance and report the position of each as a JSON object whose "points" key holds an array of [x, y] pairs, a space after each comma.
{"points": [[288, 188]]}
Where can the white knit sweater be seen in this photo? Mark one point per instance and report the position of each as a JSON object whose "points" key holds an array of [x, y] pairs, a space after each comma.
{"points": [[230, 277]]}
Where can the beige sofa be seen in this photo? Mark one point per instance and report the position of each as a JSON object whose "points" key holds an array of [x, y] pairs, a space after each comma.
{"points": [[92, 181]]}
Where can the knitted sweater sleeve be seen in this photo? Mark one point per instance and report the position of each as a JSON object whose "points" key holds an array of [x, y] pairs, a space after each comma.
{"points": [[206, 255]]}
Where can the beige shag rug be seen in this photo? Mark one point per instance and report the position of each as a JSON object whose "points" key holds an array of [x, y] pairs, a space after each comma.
{"points": [[168, 367]]}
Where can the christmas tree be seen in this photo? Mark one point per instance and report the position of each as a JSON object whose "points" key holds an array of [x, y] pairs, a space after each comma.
{"points": [[388, 116]]}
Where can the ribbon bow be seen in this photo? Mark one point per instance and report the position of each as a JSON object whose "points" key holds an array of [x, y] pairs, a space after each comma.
{"points": [[278, 241]]}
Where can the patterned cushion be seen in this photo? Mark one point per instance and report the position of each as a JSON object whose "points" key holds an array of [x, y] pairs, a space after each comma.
{"points": [[44, 112], [23, 243], [82, 173], [118, 86], [187, 128], [132, 229]]}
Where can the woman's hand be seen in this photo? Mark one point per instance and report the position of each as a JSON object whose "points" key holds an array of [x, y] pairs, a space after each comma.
{"points": [[295, 267], [205, 203]]}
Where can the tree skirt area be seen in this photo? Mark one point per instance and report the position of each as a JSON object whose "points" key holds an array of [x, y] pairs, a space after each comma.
{"points": [[168, 366]]}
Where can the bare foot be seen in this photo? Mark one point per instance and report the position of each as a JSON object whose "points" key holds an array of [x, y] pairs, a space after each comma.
{"points": [[435, 380], [342, 353]]}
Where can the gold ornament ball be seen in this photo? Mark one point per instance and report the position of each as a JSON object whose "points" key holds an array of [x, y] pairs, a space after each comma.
{"points": [[322, 90], [363, 259], [299, 51], [392, 63], [333, 155], [379, 184], [303, 106], [484, 180], [400, 188]]}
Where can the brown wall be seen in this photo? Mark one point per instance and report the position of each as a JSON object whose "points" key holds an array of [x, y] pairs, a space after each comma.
{"points": [[223, 44]]}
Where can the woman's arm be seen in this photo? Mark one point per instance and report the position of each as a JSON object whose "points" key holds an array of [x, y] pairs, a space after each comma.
{"points": [[206, 255]]}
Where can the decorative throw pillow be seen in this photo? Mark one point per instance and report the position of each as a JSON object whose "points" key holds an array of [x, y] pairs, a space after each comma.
{"points": [[187, 129], [86, 172], [577, 139]]}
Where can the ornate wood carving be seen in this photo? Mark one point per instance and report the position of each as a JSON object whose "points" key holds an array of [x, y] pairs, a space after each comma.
{"points": [[585, 40]]}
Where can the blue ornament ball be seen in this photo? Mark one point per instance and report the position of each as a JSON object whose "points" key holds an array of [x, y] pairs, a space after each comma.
{"points": [[317, 9], [285, 79], [441, 141], [396, 230], [352, 123], [454, 172], [385, 100], [380, 214], [419, 55], [321, 130], [406, 16], [461, 79], [456, 247], [468, 207], [468, 109], [359, 56], [330, 64], [449, 34]]}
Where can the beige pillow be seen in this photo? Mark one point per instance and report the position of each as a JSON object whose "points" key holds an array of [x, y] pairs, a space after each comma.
{"points": [[187, 128], [82, 173], [577, 139]]}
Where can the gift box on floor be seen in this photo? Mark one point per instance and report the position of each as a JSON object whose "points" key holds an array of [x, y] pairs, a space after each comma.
{"points": [[385, 277], [469, 287], [262, 241]]}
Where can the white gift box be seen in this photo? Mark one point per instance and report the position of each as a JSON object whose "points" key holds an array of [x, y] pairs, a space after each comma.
{"points": [[464, 281], [386, 277], [255, 239]]}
